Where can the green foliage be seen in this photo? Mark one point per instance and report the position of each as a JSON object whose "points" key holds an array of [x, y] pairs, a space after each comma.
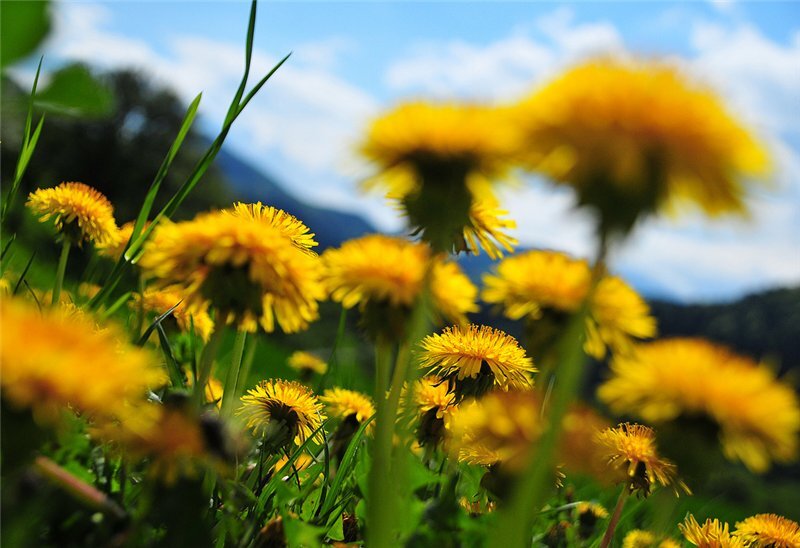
{"points": [[23, 26], [74, 91]]}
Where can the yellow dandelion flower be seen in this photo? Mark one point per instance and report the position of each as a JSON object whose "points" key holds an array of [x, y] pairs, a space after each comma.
{"points": [[633, 137], [343, 404], [768, 531], [431, 156], [282, 412], [631, 448], [365, 272], [639, 538], [500, 428], [474, 359], [56, 360], [159, 300], [251, 272], [712, 534], [114, 247], [487, 229], [578, 449], [81, 213], [433, 404], [617, 316], [758, 416], [289, 225], [306, 361], [527, 283]]}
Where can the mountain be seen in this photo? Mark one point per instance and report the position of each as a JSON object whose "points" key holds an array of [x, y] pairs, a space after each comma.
{"points": [[249, 184]]}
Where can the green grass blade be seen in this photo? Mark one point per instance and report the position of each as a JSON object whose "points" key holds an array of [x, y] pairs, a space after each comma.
{"points": [[174, 370], [345, 468], [116, 306], [155, 324], [24, 273]]}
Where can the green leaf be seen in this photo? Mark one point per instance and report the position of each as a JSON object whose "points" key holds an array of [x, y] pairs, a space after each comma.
{"points": [[74, 91], [23, 26]]}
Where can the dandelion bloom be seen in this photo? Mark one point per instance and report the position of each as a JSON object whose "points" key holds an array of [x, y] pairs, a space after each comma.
{"points": [[549, 285], [306, 361], [633, 137], [433, 404], [247, 269], [499, 428], [282, 412], [631, 448], [159, 300], [56, 360], [578, 449], [588, 515], [758, 416], [346, 404], [474, 359], [768, 531], [81, 213], [289, 225], [639, 538], [432, 157], [712, 534], [487, 229], [366, 272]]}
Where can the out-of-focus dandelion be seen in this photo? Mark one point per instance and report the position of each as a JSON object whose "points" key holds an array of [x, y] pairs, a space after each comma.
{"points": [[352, 409], [768, 531], [159, 300], [437, 159], [282, 413], [474, 359], [249, 270], [634, 137], [758, 417], [113, 247], [711, 534], [588, 515], [639, 538], [307, 364], [579, 450], [433, 405], [289, 225], [55, 361], [367, 272], [618, 316]]}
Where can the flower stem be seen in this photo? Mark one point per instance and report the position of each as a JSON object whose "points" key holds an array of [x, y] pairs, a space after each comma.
{"points": [[232, 380], [380, 507], [612, 524], [61, 270], [207, 361], [77, 488]]}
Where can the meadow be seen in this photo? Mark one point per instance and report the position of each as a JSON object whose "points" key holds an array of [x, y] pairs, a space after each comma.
{"points": [[215, 379]]}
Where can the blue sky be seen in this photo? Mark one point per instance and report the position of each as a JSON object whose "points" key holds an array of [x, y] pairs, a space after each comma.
{"points": [[351, 60]]}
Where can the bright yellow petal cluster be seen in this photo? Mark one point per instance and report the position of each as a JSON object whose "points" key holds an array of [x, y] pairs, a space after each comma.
{"points": [[499, 428], [431, 394], [758, 416], [113, 247], [639, 538], [288, 408], [768, 531], [617, 316], [81, 213], [391, 270], [288, 224], [487, 228], [246, 268], [631, 448], [342, 403], [712, 534], [644, 132], [159, 300], [418, 136], [485, 355], [306, 361], [54, 360]]}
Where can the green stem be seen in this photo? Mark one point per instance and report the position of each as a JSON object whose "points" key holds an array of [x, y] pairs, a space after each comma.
{"points": [[232, 379], [612, 524], [62, 268], [207, 361], [247, 366], [380, 504]]}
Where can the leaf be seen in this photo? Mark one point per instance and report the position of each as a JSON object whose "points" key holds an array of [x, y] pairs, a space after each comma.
{"points": [[23, 26], [74, 91]]}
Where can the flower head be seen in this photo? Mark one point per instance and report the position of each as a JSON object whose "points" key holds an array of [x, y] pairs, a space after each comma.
{"points": [[56, 360], [160, 300], [282, 412], [633, 137], [342, 404], [431, 157], [474, 359], [247, 269], [487, 228], [306, 361], [113, 247], [365, 272], [631, 448], [768, 531], [758, 416], [712, 534], [639, 538], [289, 225], [497, 429], [81, 213], [433, 404]]}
